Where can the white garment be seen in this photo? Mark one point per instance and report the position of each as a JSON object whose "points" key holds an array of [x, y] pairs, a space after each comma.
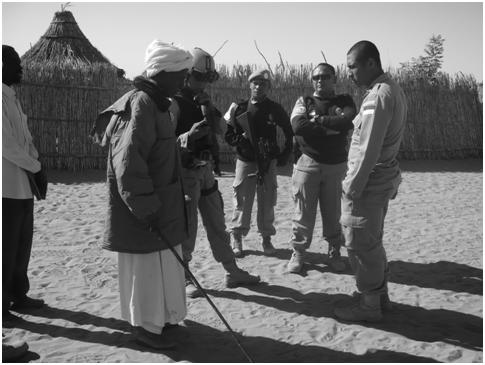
{"points": [[161, 56], [152, 289], [18, 151]]}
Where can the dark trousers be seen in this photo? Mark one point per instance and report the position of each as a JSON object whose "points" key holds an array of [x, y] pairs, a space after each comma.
{"points": [[18, 228]]}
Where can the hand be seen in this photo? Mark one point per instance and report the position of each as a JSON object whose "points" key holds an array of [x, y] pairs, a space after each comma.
{"points": [[202, 99], [335, 110], [199, 129], [152, 222], [41, 182]]}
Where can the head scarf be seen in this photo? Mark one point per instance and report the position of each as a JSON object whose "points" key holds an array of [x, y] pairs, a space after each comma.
{"points": [[161, 56]]}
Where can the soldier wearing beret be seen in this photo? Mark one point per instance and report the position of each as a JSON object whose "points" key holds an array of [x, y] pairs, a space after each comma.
{"points": [[260, 130]]}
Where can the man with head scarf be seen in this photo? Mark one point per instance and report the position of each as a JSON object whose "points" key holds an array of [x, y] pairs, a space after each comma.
{"points": [[260, 130], [197, 122], [146, 196]]}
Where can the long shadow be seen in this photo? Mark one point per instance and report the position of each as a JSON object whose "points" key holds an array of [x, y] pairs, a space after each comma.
{"points": [[428, 325], [442, 275], [78, 317], [76, 177], [201, 343], [466, 165]]}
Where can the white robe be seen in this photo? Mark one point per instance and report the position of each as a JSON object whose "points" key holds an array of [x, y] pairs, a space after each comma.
{"points": [[152, 289]]}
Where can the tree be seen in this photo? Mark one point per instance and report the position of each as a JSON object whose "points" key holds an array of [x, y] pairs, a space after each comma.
{"points": [[427, 66]]}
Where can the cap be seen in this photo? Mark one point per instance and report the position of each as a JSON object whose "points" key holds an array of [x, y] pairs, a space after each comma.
{"points": [[260, 74]]}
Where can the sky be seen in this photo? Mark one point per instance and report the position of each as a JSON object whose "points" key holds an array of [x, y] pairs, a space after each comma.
{"points": [[299, 31]]}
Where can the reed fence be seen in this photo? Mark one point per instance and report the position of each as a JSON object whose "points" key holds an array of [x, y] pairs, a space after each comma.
{"points": [[445, 117]]}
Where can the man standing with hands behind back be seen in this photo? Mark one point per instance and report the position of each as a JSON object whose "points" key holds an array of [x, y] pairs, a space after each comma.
{"points": [[372, 179], [20, 168]]}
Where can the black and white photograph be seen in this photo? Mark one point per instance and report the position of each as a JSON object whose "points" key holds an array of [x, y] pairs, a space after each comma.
{"points": [[235, 182]]}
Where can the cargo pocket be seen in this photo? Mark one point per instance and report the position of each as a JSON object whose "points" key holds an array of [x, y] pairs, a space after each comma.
{"points": [[354, 232], [297, 194]]}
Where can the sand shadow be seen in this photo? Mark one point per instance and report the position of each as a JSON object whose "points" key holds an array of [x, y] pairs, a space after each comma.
{"points": [[201, 343], [76, 177], [313, 261], [466, 165], [78, 317], [441, 275], [420, 324]]}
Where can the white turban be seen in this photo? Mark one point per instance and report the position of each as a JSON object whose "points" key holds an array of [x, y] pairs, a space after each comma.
{"points": [[161, 56]]}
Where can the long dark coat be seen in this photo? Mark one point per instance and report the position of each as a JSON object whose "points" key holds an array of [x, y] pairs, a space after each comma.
{"points": [[143, 177]]}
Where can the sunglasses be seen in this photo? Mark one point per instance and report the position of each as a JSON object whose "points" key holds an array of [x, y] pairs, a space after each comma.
{"points": [[322, 77]]}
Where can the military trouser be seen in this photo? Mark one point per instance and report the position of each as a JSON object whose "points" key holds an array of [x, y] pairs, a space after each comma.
{"points": [[315, 183], [363, 227], [245, 187], [201, 187]]}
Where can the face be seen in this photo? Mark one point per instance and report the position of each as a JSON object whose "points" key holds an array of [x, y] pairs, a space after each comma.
{"points": [[11, 70], [259, 88], [197, 82], [359, 72], [170, 82], [323, 81]]}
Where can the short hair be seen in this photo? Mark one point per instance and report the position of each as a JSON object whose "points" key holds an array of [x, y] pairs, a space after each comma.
{"points": [[8, 53], [366, 50], [326, 65]]}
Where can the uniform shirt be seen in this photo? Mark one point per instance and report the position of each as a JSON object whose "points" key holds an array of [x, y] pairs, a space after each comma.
{"points": [[265, 119], [378, 131], [18, 151], [325, 141]]}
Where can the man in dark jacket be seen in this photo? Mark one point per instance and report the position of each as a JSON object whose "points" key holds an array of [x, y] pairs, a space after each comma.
{"points": [[146, 196], [321, 123], [260, 130], [197, 123]]}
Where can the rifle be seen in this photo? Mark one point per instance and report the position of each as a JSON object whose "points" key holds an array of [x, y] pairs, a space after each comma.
{"points": [[261, 147]]}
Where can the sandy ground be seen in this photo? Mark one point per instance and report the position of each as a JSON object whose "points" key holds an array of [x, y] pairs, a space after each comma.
{"points": [[434, 244]]}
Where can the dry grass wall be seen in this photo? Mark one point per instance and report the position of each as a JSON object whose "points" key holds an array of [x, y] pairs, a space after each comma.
{"points": [[445, 118]]}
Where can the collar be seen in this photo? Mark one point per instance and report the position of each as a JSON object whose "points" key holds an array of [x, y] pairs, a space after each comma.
{"points": [[315, 95], [8, 90], [258, 102], [379, 79]]}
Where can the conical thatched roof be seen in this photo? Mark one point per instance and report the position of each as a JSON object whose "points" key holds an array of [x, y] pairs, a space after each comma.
{"points": [[64, 40]]}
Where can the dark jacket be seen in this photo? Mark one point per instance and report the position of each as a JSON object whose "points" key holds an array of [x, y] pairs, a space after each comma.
{"points": [[143, 177], [323, 139], [262, 120]]}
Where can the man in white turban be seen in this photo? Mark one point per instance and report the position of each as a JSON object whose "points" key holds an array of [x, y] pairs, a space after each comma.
{"points": [[146, 196]]}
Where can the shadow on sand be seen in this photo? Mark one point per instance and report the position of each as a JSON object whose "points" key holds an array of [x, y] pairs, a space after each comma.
{"points": [[200, 343], [441, 275], [428, 325]]}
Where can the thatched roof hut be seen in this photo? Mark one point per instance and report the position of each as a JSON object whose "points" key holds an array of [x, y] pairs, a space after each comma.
{"points": [[65, 40], [66, 83]]}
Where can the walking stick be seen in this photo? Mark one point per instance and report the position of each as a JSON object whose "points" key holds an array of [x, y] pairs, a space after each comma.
{"points": [[186, 267]]}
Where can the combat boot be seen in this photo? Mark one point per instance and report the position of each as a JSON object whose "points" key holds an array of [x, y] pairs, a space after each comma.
{"points": [[367, 309], [335, 260], [236, 242], [386, 304], [268, 248], [296, 262], [238, 277]]}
